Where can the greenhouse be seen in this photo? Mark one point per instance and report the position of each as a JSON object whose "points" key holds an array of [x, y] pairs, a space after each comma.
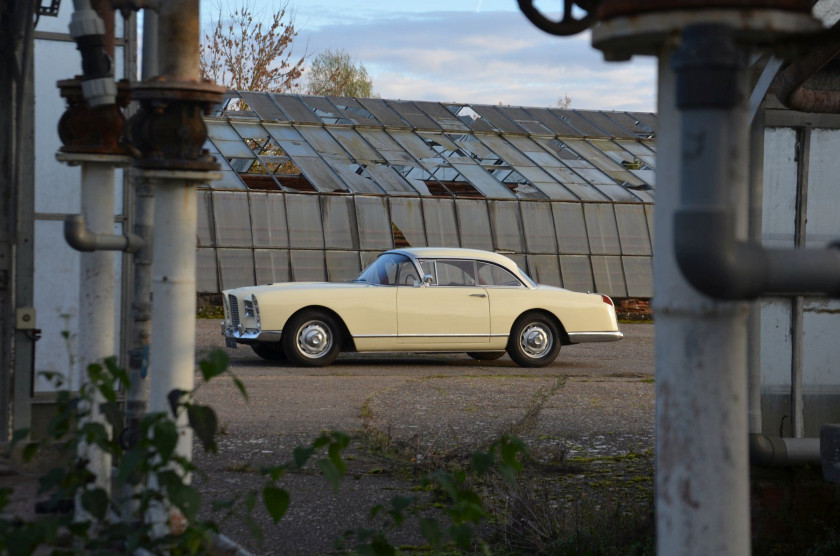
{"points": [[314, 188]]}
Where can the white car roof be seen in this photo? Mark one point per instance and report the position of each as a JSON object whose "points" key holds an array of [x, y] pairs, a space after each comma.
{"points": [[457, 253]]}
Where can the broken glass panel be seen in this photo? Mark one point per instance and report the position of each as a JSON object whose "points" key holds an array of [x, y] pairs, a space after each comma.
{"points": [[411, 177], [602, 229], [645, 119], [554, 122], [632, 229], [595, 177], [544, 269], [206, 273], [236, 268], [441, 228], [507, 226], [474, 223], [339, 217], [295, 109], [520, 174], [352, 109], [304, 216], [205, 218], [272, 265], [639, 273], [471, 118], [497, 119], [609, 276], [384, 113], [342, 266], [412, 114], [571, 228], [636, 127], [229, 179], [324, 109], [525, 120], [308, 266], [354, 144], [609, 166], [539, 227], [407, 222], [446, 119], [641, 150], [374, 226], [577, 273], [268, 220], [231, 215], [227, 140]]}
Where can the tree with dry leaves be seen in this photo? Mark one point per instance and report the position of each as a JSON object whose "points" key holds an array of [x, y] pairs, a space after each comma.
{"points": [[242, 52], [334, 73]]}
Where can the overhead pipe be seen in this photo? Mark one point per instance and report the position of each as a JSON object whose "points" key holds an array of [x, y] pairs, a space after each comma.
{"points": [[790, 84], [706, 244], [80, 238]]}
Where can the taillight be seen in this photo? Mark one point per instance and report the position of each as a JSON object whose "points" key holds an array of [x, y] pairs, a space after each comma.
{"points": [[607, 300]]}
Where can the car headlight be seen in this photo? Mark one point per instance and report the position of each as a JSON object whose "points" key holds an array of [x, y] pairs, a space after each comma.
{"points": [[256, 309]]}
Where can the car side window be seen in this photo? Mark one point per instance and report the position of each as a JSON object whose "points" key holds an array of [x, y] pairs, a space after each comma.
{"points": [[455, 273], [494, 275]]}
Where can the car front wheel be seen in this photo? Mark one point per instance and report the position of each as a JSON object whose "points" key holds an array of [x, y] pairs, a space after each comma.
{"points": [[534, 341], [311, 339]]}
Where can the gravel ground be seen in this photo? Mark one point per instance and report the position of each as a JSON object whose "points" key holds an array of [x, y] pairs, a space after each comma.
{"points": [[588, 421]]}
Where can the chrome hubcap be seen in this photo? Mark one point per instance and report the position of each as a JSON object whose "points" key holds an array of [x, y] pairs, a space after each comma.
{"points": [[314, 339], [536, 340]]}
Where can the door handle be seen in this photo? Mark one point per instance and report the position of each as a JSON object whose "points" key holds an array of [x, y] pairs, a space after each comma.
{"points": [[478, 295]]}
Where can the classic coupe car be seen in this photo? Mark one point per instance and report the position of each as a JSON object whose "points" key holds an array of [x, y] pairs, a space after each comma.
{"points": [[419, 300]]}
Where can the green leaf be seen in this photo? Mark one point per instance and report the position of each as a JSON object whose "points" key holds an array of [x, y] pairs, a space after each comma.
{"points": [[276, 502], [398, 505], [112, 413], [241, 387], [215, 364], [95, 502], [204, 422], [331, 473], [431, 531], [29, 451], [462, 535], [186, 498], [165, 438], [19, 435], [129, 464], [334, 453], [302, 455], [381, 547], [117, 372], [275, 472], [483, 461]]}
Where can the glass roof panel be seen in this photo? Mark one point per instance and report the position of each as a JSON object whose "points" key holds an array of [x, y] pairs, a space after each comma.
{"points": [[338, 213], [441, 227], [272, 265], [525, 120], [305, 226], [613, 169], [507, 225], [471, 118], [444, 118], [474, 224], [262, 104], [325, 110], [553, 122], [640, 150], [229, 179], [574, 119], [353, 110], [637, 128], [639, 274], [236, 268], [645, 119], [412, 114], [383, 113], [603, 121], [601, 229], [484, 181], [354, 144], [374, 226], [632, 229], [571, 228], [609, 276], [539, 227], [268, 220], [290, 140], [577, 273], [497, 119], [295, 109]]}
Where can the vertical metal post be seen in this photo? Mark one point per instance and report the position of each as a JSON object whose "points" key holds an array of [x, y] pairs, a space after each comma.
{"points": [[702, 479], [756, 203], [797, 420]]}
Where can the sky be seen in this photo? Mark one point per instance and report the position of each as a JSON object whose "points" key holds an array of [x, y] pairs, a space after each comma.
{"points": [[469, 51]]}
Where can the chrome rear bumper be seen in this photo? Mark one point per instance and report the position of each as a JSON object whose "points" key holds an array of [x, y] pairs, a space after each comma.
{"points": [[587, 337]]}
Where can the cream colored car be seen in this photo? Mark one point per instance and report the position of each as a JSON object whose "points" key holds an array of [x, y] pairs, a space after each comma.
{"points": [[419, 300]]}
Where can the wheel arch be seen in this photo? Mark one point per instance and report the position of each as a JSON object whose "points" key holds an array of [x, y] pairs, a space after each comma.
{"points": [[564, 336], [347, 342]]}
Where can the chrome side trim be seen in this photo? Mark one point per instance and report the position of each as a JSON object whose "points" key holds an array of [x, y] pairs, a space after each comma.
{"points": [[251, 335], [430, 336], [585, 337]]}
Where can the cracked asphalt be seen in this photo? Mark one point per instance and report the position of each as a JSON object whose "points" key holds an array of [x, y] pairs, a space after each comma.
{"points": [[408, 414]]}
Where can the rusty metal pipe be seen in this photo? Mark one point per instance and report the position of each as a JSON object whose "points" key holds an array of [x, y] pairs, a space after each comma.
{"points": [[790, 85], [178, 40]]}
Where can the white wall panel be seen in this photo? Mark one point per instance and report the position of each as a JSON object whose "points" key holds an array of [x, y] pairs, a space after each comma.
{"points": [[779, 204], [823, 193]]}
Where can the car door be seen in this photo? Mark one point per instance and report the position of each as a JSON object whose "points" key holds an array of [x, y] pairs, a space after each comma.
{"points": [[452, 311]]}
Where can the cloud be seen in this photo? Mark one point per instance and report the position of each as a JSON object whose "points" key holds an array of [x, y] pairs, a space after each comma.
{"points": [[486, 57]]}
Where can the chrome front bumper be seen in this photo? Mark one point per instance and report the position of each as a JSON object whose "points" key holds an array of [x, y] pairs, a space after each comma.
{"points": [[587, 337], [250, 335]]}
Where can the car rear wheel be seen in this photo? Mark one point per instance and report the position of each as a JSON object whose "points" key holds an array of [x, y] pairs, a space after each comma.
{"points": [[269, 351], [311, 339], [534, 341], [485, 355]]}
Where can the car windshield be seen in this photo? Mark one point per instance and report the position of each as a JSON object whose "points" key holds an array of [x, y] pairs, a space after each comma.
{"points": [[390, 269]]}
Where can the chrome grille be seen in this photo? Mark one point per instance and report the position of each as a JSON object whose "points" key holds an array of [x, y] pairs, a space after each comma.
{"points": [[234, 310]]}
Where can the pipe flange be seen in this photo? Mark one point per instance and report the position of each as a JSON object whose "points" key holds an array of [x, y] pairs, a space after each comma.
{"points": [[86, 129]]}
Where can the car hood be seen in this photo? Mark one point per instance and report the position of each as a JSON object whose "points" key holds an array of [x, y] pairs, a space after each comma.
{"points": [[283, 286]]}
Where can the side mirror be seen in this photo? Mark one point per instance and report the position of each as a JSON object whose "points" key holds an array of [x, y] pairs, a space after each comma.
{"points": [[428, 280]]}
